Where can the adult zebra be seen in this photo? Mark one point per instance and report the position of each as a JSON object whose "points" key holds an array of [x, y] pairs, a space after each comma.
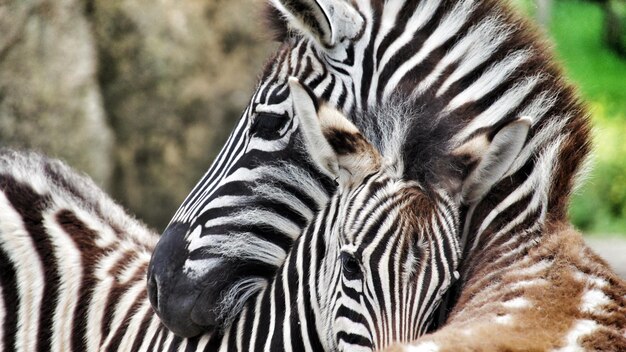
{"points": [[470, 62], [367, 272]]}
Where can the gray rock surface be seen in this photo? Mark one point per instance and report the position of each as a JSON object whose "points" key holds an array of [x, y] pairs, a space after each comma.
{"points": [[139, 94], [175, 76], [49, 95]]}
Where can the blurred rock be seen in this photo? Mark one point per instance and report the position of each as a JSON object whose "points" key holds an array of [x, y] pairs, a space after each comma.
{"points": [[139, 94], [175, 75], [49, 96]]}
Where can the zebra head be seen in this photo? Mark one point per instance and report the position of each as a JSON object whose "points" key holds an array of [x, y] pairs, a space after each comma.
{"points": [[470, 63], [388, 240], [211, 246]]}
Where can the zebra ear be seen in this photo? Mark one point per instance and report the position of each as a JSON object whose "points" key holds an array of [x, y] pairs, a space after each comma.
{"points": [[306, 108], [333, 142], [491, 154], [327, 21]]}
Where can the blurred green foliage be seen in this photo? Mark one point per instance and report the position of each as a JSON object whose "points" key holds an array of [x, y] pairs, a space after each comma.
{"points": [[576, 28]]}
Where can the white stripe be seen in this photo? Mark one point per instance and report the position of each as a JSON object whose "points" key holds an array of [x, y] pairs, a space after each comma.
{"points": [[286, 331], [449, 26], [133, 331], [71, 276], [424, 12], [122, 308], [303, 326], [490, 80], [18, 245], [255, 323], [210, 179], [279, 195], [240, 330], [235, 146], [471, 51], [253, 217], [244, 246], [168, 341], [199, 268], [272, 316], [203, 342]]}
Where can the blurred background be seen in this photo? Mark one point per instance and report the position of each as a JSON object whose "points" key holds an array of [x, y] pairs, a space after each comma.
{"points": [[141, 94]]}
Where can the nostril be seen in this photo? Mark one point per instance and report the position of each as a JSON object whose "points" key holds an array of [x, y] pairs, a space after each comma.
{"points": [[153, 291]]}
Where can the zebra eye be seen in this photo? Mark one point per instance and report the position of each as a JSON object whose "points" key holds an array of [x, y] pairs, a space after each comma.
{"points": [[350, 265], [268, 125]]}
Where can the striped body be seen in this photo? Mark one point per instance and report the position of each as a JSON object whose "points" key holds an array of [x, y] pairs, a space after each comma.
{"points": [[560, 296], [367, 272], [73, 274], [467, 62], [74, 267]]}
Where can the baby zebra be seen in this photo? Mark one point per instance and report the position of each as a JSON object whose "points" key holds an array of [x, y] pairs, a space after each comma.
{"points": [[367, 272], [560, 297]]}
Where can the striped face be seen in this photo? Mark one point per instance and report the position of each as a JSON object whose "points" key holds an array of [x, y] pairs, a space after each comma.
{"points": [[393, 251], [389, 244], [246, 203]]}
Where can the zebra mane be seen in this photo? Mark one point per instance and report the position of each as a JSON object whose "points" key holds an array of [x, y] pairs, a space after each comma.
{"points": [[275, 23], [410, 134]]}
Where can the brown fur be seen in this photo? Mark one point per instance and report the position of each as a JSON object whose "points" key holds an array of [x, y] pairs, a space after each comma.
{"points": [[554, 306]]}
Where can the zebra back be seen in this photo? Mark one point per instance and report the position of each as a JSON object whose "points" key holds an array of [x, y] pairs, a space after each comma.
{"points": [[73, 262]]}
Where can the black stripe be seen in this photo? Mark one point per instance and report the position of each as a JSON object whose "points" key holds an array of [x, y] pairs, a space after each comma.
{"points": [[89, 255], [310, 317], [145, 323], [122, 329], [176, 341], [409, 50], [30, 206], [10, 297]]}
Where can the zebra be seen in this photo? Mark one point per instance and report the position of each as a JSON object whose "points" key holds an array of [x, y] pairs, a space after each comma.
{"points": [[369, 270], [472, 63]]}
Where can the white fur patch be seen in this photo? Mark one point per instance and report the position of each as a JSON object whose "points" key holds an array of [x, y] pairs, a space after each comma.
{"points": [[580, 329], [535, 269], [528, 283], [590, 279], [428, 346], [517, 303], [503, 319], [593, 300]]}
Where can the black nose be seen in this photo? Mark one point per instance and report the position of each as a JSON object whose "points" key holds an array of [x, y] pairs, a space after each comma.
{"points": [[172, 293]]}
